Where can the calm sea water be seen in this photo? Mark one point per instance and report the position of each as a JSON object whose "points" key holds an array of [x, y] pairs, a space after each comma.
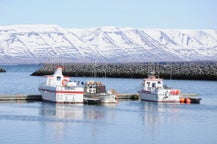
{"points": [[127, 122]]}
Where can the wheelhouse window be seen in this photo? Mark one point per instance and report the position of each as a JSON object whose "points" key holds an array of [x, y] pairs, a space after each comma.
{"points": [[58, 78]]}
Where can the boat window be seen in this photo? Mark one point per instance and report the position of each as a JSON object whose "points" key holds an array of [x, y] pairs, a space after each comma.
{"points": [[159, 82], [148, 83], [154, 85], [58, 78]]}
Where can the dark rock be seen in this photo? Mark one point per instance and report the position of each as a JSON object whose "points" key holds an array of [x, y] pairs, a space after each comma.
{"points": [[170, 70], [2, 70]]}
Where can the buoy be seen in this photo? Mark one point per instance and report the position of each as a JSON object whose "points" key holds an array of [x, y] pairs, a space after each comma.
{"points": [[182, 100], [188, 101], [64, 82]]}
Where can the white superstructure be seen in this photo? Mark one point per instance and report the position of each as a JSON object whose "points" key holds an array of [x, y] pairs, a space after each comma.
{"points": [[58, 88], [153, 90]]}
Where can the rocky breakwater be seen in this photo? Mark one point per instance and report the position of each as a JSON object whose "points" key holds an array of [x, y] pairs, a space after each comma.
{"points": [[167, 70], [2, 70]]}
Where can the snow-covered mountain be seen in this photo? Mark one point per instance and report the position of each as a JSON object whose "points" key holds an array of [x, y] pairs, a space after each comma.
{"points": [[52, 43]]}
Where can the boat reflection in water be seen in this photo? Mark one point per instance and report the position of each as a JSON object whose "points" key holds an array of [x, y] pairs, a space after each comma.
{"points": [[62, 111], [62, 120], [159, 117], [73, 112], [60, 117]]}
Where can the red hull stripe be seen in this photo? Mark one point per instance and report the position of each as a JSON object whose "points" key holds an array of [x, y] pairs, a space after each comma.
{"points": [[68, 92]]}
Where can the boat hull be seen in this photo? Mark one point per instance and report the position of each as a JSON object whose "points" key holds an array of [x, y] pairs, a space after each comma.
{"points": [[154, 97], [61, 95], [103, 98]]}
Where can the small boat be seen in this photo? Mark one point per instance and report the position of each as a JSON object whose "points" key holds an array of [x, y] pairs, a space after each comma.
{"points": [[153, 90], [97, 91], [195, 100], [190, 98], [60, 89]]}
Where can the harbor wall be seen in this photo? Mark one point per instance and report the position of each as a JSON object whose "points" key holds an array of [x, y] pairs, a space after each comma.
{"points": [[166, 70]]}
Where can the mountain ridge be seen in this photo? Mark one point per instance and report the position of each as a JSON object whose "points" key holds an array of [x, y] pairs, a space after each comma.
{"points": [[52, 43]]}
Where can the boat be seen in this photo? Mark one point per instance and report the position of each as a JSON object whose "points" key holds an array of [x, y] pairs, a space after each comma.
{"points": [[96, 91], [190, 98], [154, 90], [60, 89], [195, 100]]}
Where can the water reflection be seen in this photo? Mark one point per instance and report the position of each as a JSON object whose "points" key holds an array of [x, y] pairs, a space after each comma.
{"points": [[59, 118], [62, 120], [74, 111], [157, 113], [159, 117], [127, 122], [62, 111], [98, 112]]}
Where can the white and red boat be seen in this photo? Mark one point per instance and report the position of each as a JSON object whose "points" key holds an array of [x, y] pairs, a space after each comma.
{"points": [[58, 88], [153, 90]]}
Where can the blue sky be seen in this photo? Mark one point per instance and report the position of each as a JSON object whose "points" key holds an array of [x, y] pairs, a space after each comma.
{"points": [[187, 14]]}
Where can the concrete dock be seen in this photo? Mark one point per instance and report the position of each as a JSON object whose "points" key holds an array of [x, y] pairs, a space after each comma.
{"points": [[121, 96], [18, 97]]}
